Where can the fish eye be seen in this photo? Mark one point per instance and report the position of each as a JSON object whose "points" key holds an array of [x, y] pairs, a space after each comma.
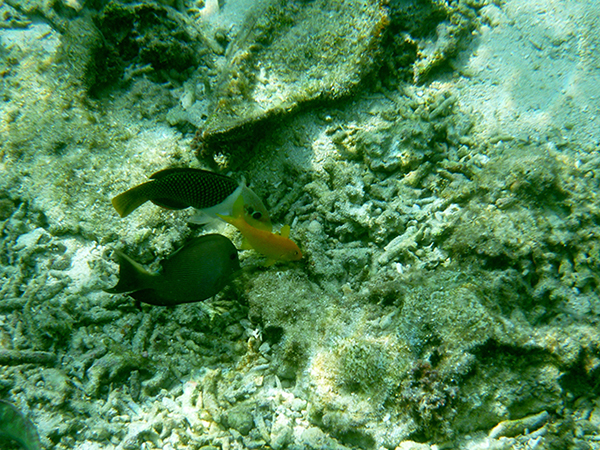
{"points": [[256, 215]]}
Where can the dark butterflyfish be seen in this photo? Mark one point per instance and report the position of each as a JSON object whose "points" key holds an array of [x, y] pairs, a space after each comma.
{"points": [[195, 272], [14, 426], [210, 193]]}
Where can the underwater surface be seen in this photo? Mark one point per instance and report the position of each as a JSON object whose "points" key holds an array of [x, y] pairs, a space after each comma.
{"points": [[403, 210]]}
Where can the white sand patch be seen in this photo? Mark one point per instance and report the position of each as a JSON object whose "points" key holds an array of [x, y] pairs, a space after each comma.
{"points": [[535, 69]]}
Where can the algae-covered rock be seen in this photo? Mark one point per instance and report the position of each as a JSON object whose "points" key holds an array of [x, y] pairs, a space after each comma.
{"points": [[425, 36], [125, 41], [21, 13], [289, 54]]}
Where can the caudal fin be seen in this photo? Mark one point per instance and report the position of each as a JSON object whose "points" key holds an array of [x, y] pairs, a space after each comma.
{"points": [[130, 200], [131, 275]]}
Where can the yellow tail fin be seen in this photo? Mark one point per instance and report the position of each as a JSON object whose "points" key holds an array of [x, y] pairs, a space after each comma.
{"points": [[130, 200]]}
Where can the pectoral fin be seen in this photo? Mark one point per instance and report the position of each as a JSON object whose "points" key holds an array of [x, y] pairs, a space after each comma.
{"points": [[246, 244]]}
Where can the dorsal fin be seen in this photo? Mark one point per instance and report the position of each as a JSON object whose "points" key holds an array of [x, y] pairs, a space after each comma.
{"points": [[285, 231], [166, 172], [172, 170]]}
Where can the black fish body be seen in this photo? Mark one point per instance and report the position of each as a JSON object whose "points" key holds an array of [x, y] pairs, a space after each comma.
{"points": [[177, 189], [195, 272]]}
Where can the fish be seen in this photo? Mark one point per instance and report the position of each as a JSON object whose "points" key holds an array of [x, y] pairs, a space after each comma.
{"points": [[15, 426], [210, 193], [195, 272], [276, 247]]}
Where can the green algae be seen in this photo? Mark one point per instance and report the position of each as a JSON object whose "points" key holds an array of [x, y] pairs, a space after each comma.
{"points": [[333, 47]]}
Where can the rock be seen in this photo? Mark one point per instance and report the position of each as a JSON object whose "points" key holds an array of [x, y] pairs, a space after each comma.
{"points": [[240, 418], [512, 428], [281, 432], [286, 56]]}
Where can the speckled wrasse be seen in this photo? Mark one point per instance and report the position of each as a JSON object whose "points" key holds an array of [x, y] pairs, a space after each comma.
{"points": [[210, 193]]}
